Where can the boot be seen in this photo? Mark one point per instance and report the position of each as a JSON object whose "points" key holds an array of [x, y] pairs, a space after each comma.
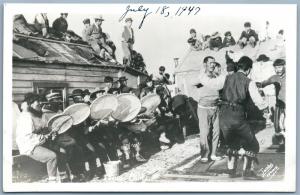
{"points": [[232, 164], [248, 169]]}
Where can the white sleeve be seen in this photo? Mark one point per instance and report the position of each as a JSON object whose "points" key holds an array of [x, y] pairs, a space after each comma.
{"points": [[256, 97]]}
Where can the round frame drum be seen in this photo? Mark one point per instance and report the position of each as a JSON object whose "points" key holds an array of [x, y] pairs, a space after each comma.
{"points": [[150, 102], [79, 112], [128, 107], [103, 106], [60, 123]]}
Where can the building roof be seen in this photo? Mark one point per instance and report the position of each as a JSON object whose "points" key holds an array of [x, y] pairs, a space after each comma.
{"points": [[194, 59], [29, 48]]}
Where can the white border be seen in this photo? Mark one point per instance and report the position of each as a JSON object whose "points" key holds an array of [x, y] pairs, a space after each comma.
{"points": [[287, 185]]}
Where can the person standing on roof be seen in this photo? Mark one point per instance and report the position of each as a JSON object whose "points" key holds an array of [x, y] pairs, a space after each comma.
{"points": [[41, 24], [127, 41], [248, 36], [87, 26], [60, 25]]}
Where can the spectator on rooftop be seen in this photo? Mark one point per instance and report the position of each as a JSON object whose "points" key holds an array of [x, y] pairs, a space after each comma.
{"points": [[127, 41], [194, 42], [265, 34], [248, 36], [206, 42], [215, 42], [87, 26], [21, 25], [228, 40], [41, 24], [60, 25]]}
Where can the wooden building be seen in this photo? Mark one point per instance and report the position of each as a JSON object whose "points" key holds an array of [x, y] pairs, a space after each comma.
{"points": [[64, 67]]}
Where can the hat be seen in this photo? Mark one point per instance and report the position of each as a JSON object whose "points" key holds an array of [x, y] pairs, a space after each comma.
{"points": [[60, 123], [128, 19], [108, 79], [86, 92], [192, 31], [86, 21], [77, 92], [162, 68], [263, 58], [95, 91], [279, 62], [247, 24], [100, 17], [64, 14], [228, 33], [103, 106], [53, 95], [128, 107], [122, 78], [79, 112]]}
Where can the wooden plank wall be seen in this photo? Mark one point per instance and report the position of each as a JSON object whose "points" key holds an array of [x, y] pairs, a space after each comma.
{"points": [[83, 77]]}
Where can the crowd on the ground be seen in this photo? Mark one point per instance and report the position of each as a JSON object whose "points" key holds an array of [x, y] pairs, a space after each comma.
{"points": [[92, 35], [248, 37]]}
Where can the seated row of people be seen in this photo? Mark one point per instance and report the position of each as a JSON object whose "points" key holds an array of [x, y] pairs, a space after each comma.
{"points": [[214, 41]]}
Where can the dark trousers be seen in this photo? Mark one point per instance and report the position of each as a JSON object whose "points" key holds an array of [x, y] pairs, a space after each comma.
{"points": [[236, 130]]}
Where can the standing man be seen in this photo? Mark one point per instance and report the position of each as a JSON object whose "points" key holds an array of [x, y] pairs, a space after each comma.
{"points": [[127, 41], [262, 70], [279, 81], [87, 26], [208, 112]]}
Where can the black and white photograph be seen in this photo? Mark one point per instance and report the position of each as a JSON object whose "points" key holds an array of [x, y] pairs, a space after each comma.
{"points": [[149, 97]]}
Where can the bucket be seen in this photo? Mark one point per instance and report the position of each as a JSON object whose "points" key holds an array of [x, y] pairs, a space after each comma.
{"points": [[112, 168]]}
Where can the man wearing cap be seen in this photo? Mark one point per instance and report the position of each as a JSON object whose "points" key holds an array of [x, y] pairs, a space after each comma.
{"points": [[97, 39], [262, 70], [237, 89], [34, 139], [248, 36], [87, 26], [160, 78], [195, 44], [60, 25], [279, 119], [108, 85], [127, 41], [228, 40], [123, 85]]}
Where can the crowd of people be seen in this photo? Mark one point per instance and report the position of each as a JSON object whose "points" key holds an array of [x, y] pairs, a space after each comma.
{"points": [[248, 37], [95, 142], [92, 34]]}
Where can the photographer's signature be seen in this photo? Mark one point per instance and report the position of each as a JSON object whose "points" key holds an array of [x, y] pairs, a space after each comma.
{"points": [[162, 10], [269, 171]]}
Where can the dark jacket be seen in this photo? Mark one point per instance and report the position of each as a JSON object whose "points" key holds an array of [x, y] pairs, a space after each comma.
{"points": [[60, 26], [249, 34], [228, 42]]}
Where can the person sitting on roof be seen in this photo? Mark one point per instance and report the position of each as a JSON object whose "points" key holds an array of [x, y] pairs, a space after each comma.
{"points": [[21, 26], [87, 26], [41, 24], [215, 42], [206, 42], [195, 44], [228, 40], [60, 25], [98, 40], [248, 36]]}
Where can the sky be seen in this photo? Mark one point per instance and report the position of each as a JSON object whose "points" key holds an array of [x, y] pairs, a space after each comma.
{"points": [[161, 39]]}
